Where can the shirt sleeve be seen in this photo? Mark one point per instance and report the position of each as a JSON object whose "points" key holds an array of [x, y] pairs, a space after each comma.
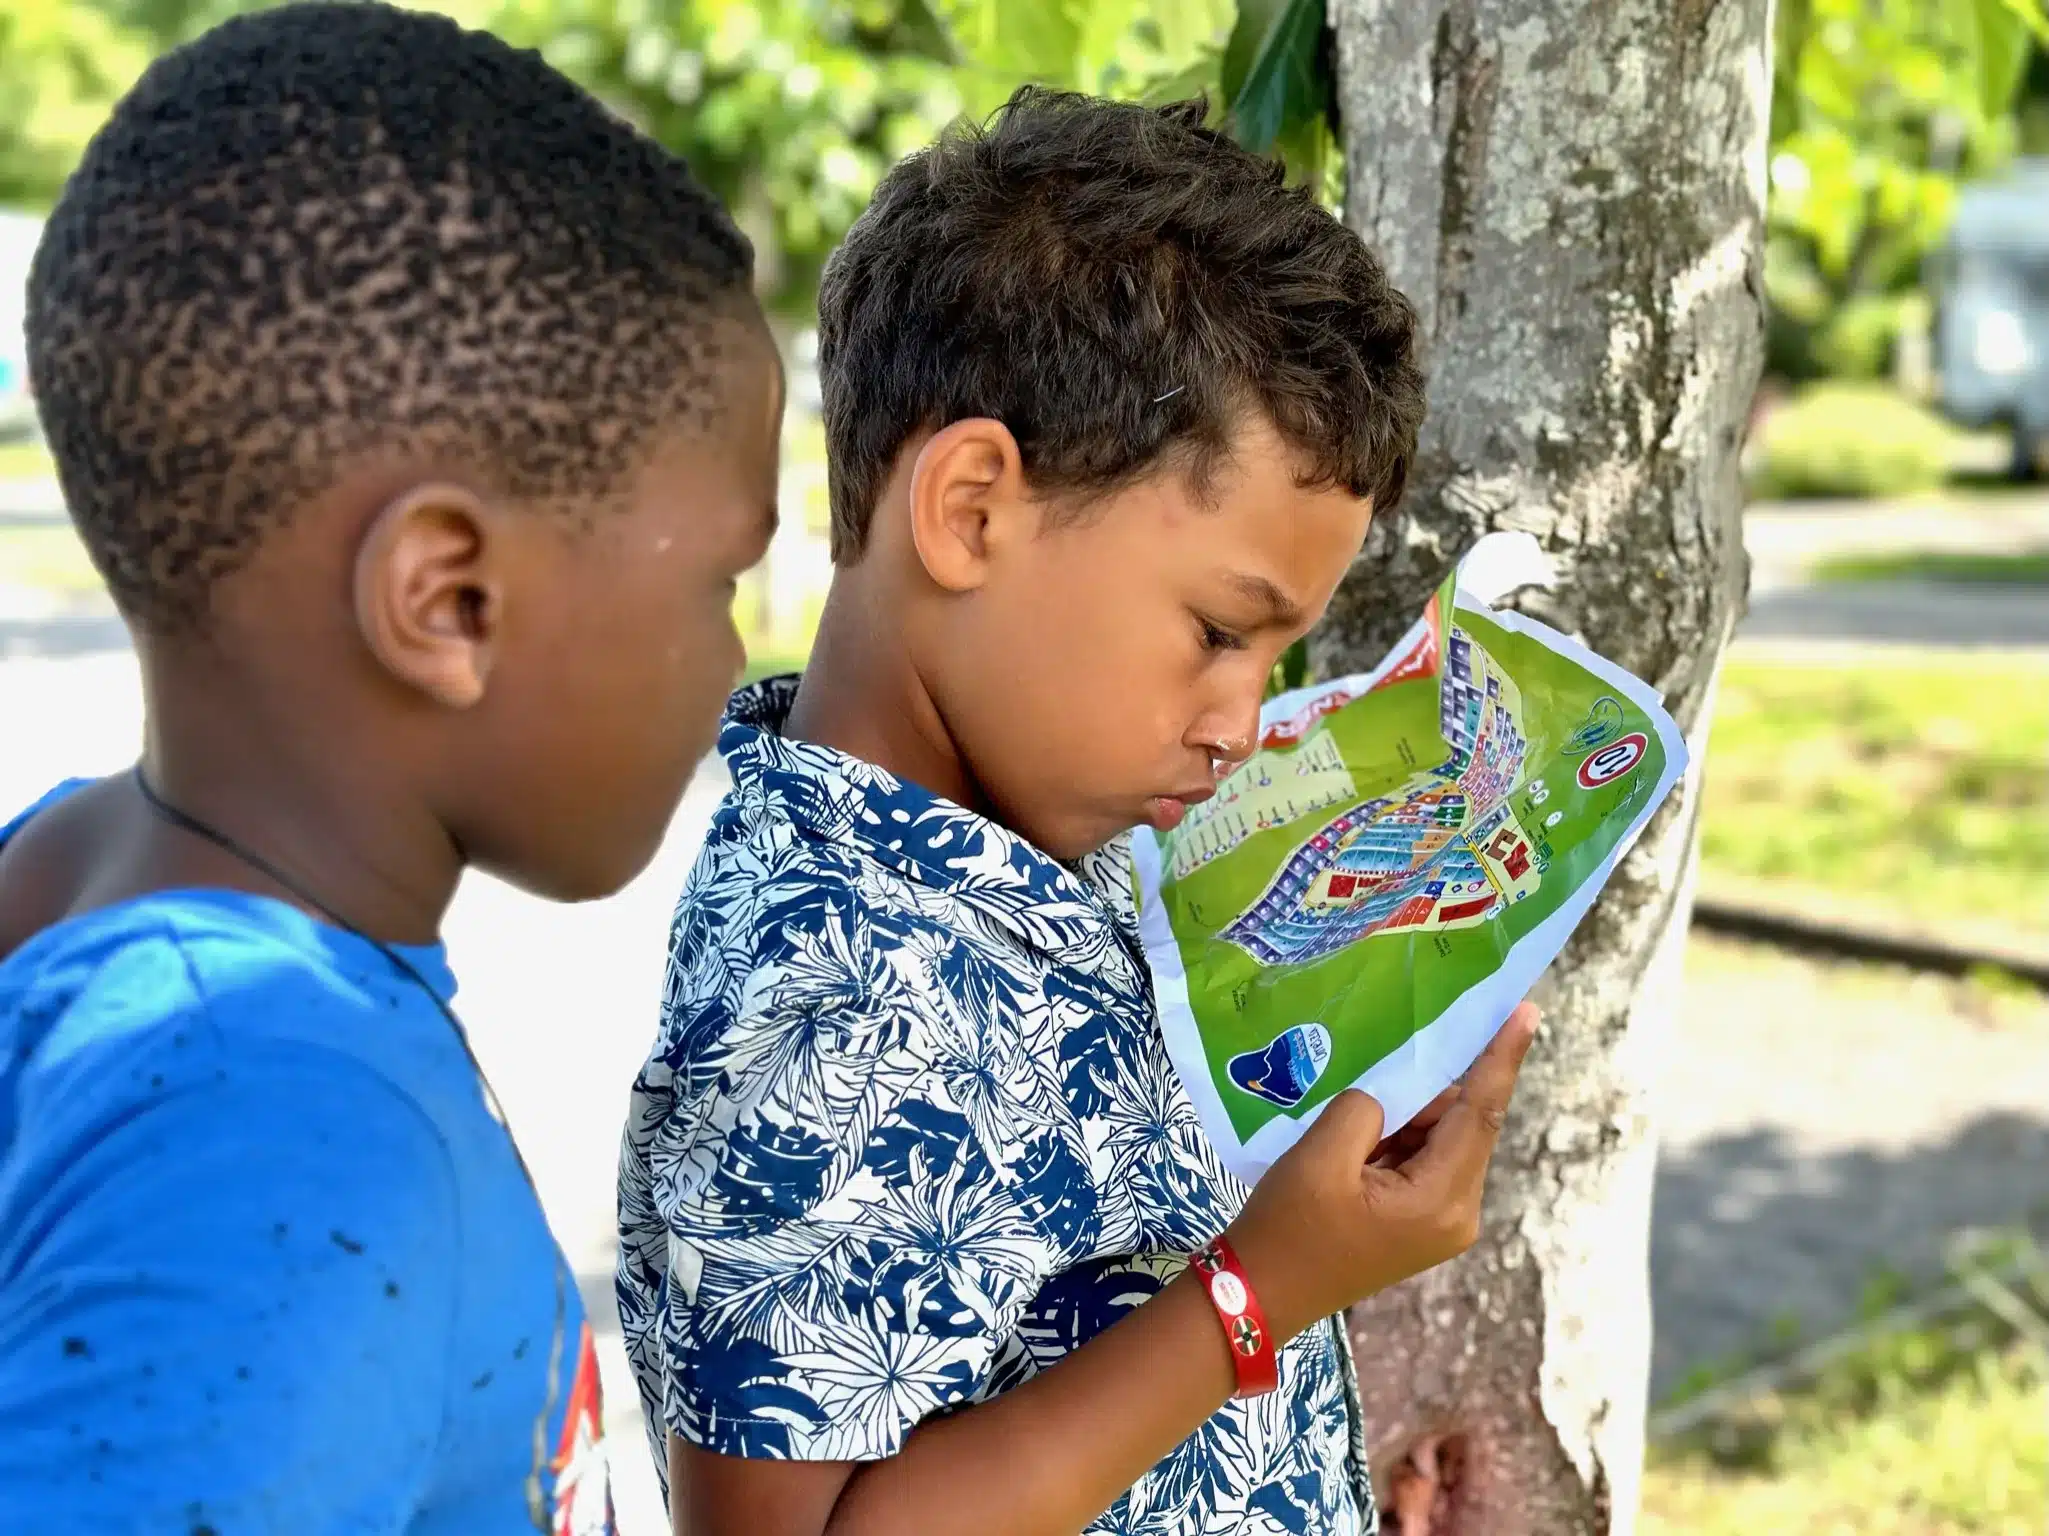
{"points": [[843, 1261], [226, 1306]]}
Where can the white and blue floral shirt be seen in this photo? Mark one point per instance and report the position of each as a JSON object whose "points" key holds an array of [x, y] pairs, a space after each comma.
{"points": [[910, 1135]]}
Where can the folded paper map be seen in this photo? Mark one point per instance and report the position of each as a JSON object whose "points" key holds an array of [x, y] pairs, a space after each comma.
{"points": [[1368, 897]]}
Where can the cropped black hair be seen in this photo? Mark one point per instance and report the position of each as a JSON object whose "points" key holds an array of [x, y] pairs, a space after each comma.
{"points": [[328, 230], [1116, 284]]}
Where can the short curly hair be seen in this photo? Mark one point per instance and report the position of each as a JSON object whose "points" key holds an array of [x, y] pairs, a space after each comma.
{"points": [[333, 229], [1116, 284]]}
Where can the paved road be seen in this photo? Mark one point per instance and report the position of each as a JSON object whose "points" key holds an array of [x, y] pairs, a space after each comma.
{"points": [[1784, 542]]}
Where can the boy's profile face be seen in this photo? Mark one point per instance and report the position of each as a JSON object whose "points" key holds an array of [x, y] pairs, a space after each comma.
{"points": [[619, 650], [1098, 672]]}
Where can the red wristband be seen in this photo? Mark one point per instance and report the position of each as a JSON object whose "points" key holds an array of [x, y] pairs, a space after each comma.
{"points": [[1251, 1341]]}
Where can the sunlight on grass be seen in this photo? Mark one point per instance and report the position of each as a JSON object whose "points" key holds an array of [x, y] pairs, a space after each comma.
{"points": [[48, 558], [1922, 784], [1920, 1446], [28, 460], [2029, 568]]}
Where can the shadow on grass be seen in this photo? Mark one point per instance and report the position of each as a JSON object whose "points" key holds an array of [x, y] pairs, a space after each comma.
{"points": [[1756, 1245], [1919, 613]]}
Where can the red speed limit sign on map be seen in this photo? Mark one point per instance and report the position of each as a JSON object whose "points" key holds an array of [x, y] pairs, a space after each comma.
{"points": [[1613, 760]]}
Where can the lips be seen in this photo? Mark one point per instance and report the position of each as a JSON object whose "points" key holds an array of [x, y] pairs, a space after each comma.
{"points": [[1164, 812]]}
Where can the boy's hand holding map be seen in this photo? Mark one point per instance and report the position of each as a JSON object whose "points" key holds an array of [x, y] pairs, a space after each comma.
{"points": [[1372, 892], [1347, 1212]]}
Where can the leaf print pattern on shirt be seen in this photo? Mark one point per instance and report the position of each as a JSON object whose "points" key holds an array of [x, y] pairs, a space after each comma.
{"points": [[909, 1135]]}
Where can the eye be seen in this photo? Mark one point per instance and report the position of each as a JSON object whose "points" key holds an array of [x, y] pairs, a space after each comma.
{"points": [[1217, 638]]}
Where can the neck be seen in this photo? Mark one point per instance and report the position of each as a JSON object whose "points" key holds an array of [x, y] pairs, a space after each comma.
{"points": [[349, 844], [863, 694]]}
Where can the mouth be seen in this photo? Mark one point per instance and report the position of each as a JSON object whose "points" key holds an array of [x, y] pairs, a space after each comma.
{"points": [[1165, 812]]}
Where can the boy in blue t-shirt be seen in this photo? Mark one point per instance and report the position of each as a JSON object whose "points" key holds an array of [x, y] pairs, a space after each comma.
{"points": [[420, 416], [909, 1189]]}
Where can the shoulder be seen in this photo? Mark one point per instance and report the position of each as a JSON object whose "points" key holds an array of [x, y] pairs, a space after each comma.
{"points": [[777, 927], [168, 1010]]}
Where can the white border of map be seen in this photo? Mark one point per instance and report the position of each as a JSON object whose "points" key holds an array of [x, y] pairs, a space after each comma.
{"points": [[1439, 1053]]}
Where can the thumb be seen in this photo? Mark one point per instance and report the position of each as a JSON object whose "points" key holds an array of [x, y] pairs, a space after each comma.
{"points": [[1350, 1122], [1461, 1143]]}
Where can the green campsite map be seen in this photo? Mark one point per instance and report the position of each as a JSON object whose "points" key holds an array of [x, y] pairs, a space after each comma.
{"points": [[1401, 844]]}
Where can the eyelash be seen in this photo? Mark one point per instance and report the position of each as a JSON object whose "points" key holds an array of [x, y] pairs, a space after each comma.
{"points": [[1215, 638]]}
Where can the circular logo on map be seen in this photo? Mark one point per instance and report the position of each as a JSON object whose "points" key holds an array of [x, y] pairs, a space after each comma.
{"points": [[1613, 760]]}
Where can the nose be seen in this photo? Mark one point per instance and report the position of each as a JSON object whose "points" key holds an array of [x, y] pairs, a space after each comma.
{"points": [[1231, 737]]}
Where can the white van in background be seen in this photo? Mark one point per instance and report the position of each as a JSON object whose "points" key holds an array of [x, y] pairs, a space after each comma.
{"points": [[19, 233]]}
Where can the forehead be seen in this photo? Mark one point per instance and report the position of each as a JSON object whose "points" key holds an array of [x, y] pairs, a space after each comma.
{"points": [[1255, 525]]}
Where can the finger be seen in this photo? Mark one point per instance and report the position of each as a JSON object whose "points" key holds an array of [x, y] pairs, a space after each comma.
{"points": [[1432, 1112], [1403, 1144], [1463, 1140], [1353, 1119]]}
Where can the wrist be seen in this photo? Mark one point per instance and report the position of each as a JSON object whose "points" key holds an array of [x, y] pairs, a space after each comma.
{"points": [[1254, 1350], [1273, 1281]]}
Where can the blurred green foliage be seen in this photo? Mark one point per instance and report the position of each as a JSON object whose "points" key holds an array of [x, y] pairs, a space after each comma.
{"points": [[1879, 109], [1851, 438], [60, 66], [792, 109]]}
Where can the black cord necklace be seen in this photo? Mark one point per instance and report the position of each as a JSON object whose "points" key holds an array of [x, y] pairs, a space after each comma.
{"points": [[185, 821]]}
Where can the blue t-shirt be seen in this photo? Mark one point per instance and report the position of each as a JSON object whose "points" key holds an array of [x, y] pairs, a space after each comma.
{"points": [[267, 1262]]}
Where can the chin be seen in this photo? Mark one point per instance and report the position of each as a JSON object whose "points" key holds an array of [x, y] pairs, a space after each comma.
{"points": [[1071, 843], [594, 875]]}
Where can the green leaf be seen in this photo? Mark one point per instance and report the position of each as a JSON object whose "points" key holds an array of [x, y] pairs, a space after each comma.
{"points": [[2030, 15], [1104, 26], [1033, 40], [922, 32], [1275, 77], [1191, 28], [1198, 78], [2007, 31]]}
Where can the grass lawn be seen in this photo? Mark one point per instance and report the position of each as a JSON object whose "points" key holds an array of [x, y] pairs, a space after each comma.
{"points": [[25, 460], [770, 663], [2028, 568], [1916, 1436], [47, 557], [1920, 783]]}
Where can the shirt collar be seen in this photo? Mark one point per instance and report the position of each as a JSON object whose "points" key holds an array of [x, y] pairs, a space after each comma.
{"points": [[841, 799]]}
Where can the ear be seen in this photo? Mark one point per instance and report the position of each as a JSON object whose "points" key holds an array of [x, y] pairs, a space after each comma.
{"points": [[429, 599], [968, 498]]}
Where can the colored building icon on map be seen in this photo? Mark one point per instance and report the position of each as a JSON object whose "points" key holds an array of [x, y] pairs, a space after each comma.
{"points": [[1443, 851]]}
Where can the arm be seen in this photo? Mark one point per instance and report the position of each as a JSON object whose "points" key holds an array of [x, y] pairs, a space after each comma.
{"points": [[1094, 1423], [1340, 1217], [225, 1287]]}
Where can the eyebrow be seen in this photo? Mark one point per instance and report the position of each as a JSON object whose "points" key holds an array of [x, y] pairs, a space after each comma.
{"points": [[1280, 612]]}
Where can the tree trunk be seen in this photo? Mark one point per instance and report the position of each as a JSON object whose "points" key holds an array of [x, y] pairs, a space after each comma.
{"points": [[1572, 192]]}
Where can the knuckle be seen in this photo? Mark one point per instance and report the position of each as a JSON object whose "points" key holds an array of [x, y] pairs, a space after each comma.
{"points": [[1494, 1116]]}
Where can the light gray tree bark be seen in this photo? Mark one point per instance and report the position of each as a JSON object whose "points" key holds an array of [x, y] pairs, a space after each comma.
{"points": [[1572, 192]]}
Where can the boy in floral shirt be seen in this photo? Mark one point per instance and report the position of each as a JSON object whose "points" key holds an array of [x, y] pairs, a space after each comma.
{"points": [[909, 1187]]}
